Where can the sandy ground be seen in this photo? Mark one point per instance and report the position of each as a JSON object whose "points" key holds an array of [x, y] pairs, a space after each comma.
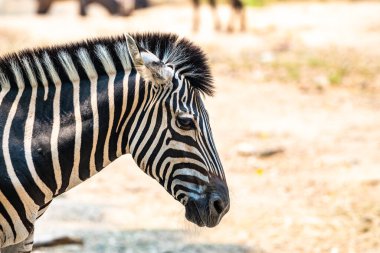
{"points": [[321, 194]]}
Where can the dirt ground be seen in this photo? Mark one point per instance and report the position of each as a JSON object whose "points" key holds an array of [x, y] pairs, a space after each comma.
{"points": [[304, 80]]}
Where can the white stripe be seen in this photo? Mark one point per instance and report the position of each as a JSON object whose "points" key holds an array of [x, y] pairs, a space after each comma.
{"points": [[74, 178], [111, 101], [69, 66], [28, 202], [87, 64], [195, 187], [105, 58], [95, 113], [122, 53], [71, 71], [123, 109], [5, 86], [134, 105], [56, 121], [93, 76], [42, 77], [134, 124], [18, 75], [190, 172], [28, 135]]}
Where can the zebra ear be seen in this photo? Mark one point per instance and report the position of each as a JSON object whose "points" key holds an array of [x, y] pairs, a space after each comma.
{"points": [[148, 65]]}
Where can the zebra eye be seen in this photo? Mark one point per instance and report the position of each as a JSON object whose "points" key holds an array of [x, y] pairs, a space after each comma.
{"points": [[185, 123]]}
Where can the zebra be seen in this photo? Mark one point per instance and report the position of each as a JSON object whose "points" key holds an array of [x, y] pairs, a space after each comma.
{"points": [[68, 111], [237, 12]]}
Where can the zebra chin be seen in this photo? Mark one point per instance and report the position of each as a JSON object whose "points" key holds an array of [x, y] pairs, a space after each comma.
{"points": [[208, 209]]}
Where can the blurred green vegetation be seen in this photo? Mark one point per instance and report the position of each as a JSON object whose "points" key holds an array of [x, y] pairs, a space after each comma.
{"points": [[325, 67], [256, 3], [310, 68], [328, 67]]}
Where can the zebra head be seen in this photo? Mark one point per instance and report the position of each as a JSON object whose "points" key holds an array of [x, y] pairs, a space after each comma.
{"points": [[178, 149]]}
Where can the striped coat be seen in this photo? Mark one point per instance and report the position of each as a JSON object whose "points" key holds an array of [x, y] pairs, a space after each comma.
{"points": [[67, 112]]}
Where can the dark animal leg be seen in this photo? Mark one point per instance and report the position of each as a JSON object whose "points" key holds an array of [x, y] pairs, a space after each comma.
{"points": [[196, 4], [140, 4], [215, 14], [237, 11], [83, 7], [113, 7], [242, 14], [44, 6]]}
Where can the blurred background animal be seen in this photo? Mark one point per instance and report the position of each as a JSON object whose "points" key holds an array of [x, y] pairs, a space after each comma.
{"points": [[237, 14], [114, 7], [123, 8]]}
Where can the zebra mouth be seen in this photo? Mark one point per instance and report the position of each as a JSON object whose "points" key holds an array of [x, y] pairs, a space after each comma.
{"points": [[193, 213], [199, 213], [208, 209]]}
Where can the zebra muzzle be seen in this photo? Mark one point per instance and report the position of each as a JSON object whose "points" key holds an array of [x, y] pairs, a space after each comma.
{"points": [[210, 209]]}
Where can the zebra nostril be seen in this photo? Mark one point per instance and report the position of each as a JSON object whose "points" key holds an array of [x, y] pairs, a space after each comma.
{"points": [[217, 205]]}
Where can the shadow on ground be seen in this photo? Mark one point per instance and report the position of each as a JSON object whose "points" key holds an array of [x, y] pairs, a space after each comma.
{"points": [[142, 241]]}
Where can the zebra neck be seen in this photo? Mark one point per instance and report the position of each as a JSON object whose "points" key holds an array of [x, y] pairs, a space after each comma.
{"points": [[71, 114], [103, 121], [94, 106]]}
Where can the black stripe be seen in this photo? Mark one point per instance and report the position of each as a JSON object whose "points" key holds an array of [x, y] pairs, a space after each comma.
{"points": [[45, 205], [181, 196], [187, 178], [87, 136], [118, 102], [42, 129], [130, 99], [174, 153], [66, 136], [154, 155], [180, 187], [103, 111]]}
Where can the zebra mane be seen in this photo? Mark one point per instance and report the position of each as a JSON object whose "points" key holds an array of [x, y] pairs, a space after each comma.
{"points": [[105, 55]]}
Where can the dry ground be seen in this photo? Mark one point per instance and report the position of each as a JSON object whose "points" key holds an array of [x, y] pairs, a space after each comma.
{"points": [[303, 78]]}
